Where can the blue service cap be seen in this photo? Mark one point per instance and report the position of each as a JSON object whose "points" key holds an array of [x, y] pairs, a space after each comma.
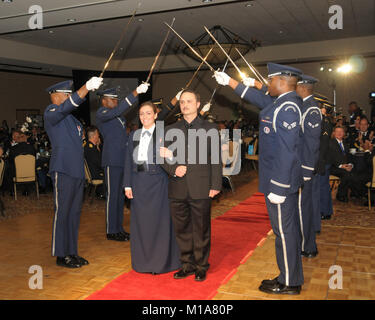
{"points": [[65, 87], [110, 93], [275, 69], [307, 79]]}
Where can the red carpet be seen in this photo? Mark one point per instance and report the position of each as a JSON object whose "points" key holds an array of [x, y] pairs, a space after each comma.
{"points": [[234, 237]]}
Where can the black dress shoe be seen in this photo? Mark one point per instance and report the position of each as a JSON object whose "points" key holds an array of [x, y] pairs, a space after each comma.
{"points": [[269, 282], [67, 262], [116, 237], [126, 235], [200, 275], [309, 254], [328, 217], [182, 274], [279, 288], [80, 260]]}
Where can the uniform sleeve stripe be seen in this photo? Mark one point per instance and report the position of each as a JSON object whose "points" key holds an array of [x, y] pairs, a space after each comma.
{"points": [[244, 92], [127, 100], [308, 168], [73, 103], [280, 184]]}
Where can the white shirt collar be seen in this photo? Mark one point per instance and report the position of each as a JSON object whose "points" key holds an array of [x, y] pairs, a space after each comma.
{"points": [[304, 99], [151, 130], [339, 141]]}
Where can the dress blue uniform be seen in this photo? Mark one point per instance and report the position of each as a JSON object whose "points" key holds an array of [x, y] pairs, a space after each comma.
{"points": [[311, 128], [66, 170], [112, 126], [280, 170], [323, 208]]}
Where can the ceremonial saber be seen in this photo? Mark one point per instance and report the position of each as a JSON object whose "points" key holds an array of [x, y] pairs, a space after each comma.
{"points": [[213, 93], [118, 42], [196, 71], [226, 54], [252, 68], [190, 47], [158, 55]]}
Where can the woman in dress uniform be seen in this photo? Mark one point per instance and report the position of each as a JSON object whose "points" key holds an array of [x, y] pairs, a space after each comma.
{"points": [[153, 245]]}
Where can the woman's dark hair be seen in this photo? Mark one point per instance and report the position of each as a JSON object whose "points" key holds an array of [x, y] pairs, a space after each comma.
{"points": [[150, 104]]}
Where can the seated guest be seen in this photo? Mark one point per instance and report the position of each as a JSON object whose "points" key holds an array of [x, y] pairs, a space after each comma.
{"points": [[341, 165], [21, 148], [93, 156], [15, 135], [354, 113]]}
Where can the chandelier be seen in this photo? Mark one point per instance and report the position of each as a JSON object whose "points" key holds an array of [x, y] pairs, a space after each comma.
{"points": [[227, 39]]}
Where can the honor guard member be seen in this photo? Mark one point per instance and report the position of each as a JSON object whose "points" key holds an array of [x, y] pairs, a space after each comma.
{"points": [[280, 172], [66, 168], [309, 193], [324, 209], [112, 126]]}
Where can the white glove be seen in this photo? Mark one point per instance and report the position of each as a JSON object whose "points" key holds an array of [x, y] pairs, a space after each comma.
{"points": [[306, 178], [142, 88], [178, 95], [94, 83], [206, 107], [249, 82], [222, 78], [275, 199]]}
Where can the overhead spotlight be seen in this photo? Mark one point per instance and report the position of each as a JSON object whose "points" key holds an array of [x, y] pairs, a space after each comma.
{"points": [[248, 5], [207, 1], [140, 20], [345, 68], [321, 68], [71, 20], [330, 69], [51, 31]]}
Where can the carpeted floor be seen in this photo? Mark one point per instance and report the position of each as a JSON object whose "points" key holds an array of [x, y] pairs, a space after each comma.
{"points": [[234, 235]]}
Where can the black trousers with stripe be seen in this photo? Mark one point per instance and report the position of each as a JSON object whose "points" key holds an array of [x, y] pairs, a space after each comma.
{"points": [[306, 217], [285, 226], [68, 195], [115, 203]]}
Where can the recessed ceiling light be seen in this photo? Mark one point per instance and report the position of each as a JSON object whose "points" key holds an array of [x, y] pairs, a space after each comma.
{"points": [[140, 19], [281, 31], [206, 1], [51, 31], [8, 1], [71, 20], [249, 5]]}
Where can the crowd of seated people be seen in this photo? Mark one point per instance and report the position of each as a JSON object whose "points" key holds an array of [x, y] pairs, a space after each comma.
{"points": [[351, 152]]}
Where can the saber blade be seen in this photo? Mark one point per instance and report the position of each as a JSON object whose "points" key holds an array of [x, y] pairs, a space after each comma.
{"points": [[196, 71], [252, 68], [190, 47], [158, 55], [226, 54], [118, 42]]}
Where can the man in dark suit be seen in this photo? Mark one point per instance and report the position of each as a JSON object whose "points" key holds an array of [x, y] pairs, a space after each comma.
{"points": [[194, 179], [93, 157], [342, 165]]}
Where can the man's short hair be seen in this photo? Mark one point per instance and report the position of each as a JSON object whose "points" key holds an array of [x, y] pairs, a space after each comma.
{"points": [[91, 131], [353, 102], [196, 94], [363, 117]]}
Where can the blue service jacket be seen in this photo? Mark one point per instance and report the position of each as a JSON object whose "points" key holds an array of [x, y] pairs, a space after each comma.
{"points": [[311, 129], [112, 126], [280, 140], [65, 134]]}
